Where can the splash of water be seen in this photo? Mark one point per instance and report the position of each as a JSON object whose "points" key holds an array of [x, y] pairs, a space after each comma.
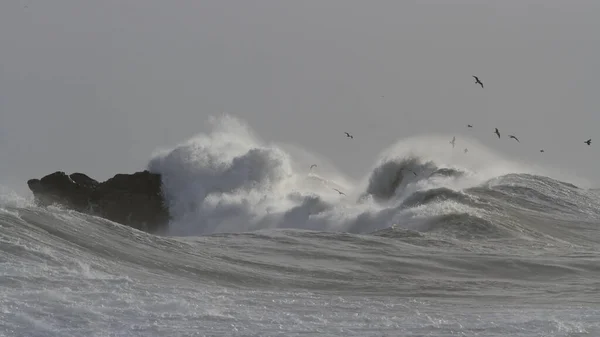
{"points": [[230, 180]]}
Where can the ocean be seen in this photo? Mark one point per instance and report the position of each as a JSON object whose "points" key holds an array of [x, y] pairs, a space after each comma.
{"points": [[432, 242]]}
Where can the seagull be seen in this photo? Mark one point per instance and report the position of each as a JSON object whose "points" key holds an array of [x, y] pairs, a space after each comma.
{"points": [[513, 137], [411, 171], [477, 81], [588, 142], [340, 192], [452, 141], [466, 150], [313, 165], [497, 132], [349, 135], [469, 125]]}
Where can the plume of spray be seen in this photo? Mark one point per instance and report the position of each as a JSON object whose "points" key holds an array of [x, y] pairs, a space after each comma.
{"points": [[10, 198], [228, 180]]}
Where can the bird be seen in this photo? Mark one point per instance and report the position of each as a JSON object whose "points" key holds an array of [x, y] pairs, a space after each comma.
{"points": [[497, 132], [411, 171], [452, 141], [588, 142], [542, 150], [349, 135], [513, 137], [466, 150], [469, 125], [477, 81], [313, 165], [340, 192]]}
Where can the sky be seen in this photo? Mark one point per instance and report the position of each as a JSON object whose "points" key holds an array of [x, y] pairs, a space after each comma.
{"points": [[98, 86]]}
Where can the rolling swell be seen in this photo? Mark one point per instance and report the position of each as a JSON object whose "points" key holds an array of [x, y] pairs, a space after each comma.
{"points": [[71, 274], [437, 195], [88, 252]]}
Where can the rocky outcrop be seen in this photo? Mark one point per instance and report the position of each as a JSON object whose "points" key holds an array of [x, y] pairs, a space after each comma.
{"points": [[134, 200]]}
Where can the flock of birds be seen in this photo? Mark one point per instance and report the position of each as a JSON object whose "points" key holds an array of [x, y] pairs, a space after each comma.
{"points": [[496, 131], [453, 141], [477, 81]]}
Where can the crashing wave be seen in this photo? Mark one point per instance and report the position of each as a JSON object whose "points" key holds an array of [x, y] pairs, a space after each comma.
{"points": [[229, 180]]}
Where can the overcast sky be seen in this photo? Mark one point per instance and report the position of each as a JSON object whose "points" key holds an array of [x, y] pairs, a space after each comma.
{"points": [[97, 86]]}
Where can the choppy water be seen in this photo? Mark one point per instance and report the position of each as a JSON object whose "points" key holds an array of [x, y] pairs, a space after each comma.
{"points": [[261, 246]]}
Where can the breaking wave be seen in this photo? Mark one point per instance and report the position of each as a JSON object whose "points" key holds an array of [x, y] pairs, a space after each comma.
{"points": [[229, 180]]}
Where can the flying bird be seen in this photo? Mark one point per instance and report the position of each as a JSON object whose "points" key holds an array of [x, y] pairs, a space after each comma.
{"points": [[542, 150], [477, 81], [469, 125], [466, 150], [497, 132], [513, 137], [313, 165], [349, 135], [340, 192], [452, 141], [411, 171], [588, 142]]}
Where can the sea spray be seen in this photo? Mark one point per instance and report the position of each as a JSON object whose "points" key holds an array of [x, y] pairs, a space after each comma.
{"points": [[229, 180]]}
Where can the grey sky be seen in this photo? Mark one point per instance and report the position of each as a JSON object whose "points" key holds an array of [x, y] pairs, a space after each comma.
{"points": [[96, 86]]}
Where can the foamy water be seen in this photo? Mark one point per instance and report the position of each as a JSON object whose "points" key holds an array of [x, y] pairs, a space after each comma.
{"points": [[261, 245]]}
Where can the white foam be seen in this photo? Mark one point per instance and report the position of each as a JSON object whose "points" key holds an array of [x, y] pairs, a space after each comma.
{"points": [[10, 198]]}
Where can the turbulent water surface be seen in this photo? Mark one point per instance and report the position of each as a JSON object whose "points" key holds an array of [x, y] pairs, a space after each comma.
{"points": [[431, 243]]}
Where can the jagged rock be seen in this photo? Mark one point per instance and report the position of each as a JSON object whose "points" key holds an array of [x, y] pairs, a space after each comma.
{"points": [[84, 180], [134, 200]]}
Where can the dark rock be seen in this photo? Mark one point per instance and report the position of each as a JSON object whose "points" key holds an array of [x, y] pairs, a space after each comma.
{"points": [[84, 180], [134, 200]]}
